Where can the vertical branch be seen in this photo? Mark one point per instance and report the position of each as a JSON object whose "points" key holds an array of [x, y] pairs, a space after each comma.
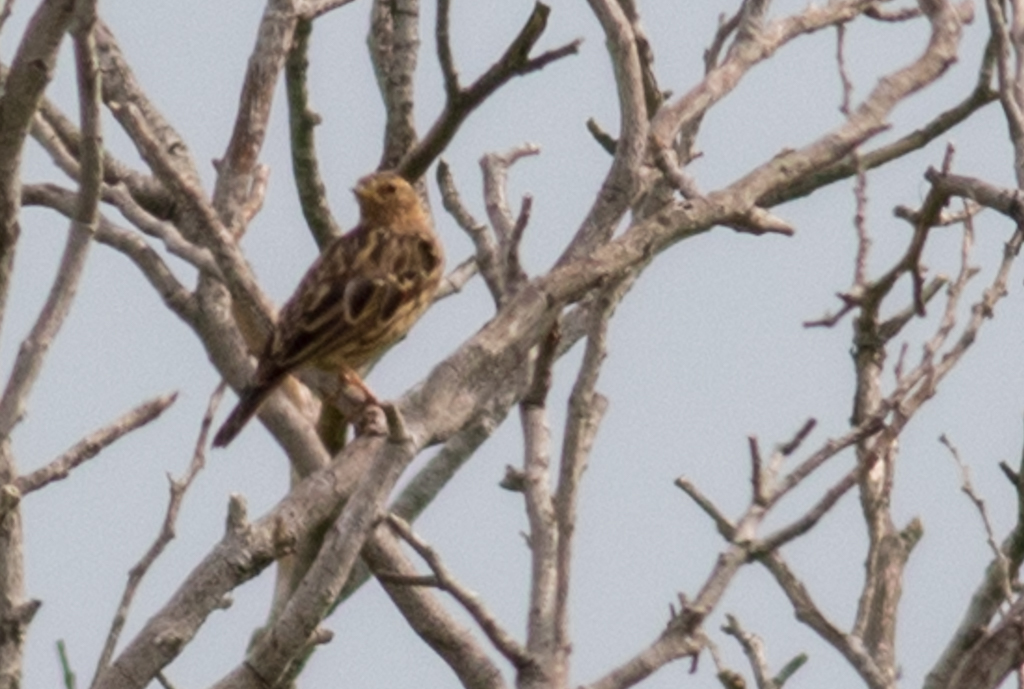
{"points": [[1009, 94], [507, 230], [394, 43], [237, 170], [543, 539], [302, 121], [28, 77], [32, 352], [30, 72], [586, 409], [621, 183]]}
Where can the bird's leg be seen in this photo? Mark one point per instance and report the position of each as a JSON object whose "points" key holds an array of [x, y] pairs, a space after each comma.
{"points": [[371, 419], [350, 377]]}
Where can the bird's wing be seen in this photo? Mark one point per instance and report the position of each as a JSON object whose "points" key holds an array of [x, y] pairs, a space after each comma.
{"points": [[352, 297]]}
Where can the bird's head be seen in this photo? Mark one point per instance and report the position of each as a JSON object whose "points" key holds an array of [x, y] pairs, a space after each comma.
{"points": [[385, 196]]}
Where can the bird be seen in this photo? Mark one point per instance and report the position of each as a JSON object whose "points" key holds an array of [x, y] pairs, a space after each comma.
{"points": [[364, 292]]}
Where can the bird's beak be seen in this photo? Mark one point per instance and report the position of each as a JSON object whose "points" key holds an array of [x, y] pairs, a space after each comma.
{"points": [[360, 191]]}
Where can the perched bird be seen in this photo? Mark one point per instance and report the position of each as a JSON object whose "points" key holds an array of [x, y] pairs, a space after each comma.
{"points": [[362, 294]]}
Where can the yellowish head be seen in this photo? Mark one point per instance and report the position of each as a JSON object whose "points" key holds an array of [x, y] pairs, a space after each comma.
{"points": [[385, 197]]}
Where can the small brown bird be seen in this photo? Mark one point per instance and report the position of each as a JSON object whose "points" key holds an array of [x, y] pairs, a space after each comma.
{"points": [[362, 294]]}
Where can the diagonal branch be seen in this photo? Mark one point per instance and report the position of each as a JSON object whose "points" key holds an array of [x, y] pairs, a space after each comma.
{"points": [[94, 443], [237, 170], [516, 61], [178, 488], [288, 636], [502, 640], [175, 296], [622, 181], [452, 641]]}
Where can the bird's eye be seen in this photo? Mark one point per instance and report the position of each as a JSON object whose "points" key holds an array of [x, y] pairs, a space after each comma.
{"points": [[387, 188]]}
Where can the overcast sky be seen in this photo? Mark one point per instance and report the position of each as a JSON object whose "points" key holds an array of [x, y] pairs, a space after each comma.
{"points": [[707, 349]]}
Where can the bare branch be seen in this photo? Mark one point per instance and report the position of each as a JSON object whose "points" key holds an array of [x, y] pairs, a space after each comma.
{"points": [[450, 640], [178, 488], [238, 166], [540, 510], [516, 61], [808, 612], [120, 89], [302, 121], [753, 648], [900, 14], [967, 487], [394, 42], [502, 640], [1009, 88], [240, 280], [175, 296], [287, 637], [968, 644], [487, 252], [725, 525], [311, 9], [996, 654], [26, 80], [58, 303], [847, 166], [175, 243], [808, 521], [60, 137], [94, 443], [586, 410], [457, 278], [622, 181], [508, 230]]}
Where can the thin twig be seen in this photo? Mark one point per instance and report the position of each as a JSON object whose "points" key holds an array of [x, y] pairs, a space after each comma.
{"points": [[94, 443], [178, 488], [502, 640], [487, 252], [753, 648], [725, 526], [457, 278], [968, 488], [516, 61]]}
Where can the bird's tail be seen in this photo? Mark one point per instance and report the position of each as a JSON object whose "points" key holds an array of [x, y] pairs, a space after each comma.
{"points": [[248, 404]]}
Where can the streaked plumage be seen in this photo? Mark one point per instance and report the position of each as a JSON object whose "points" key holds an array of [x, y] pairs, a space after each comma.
{"points": [[362, 294]]}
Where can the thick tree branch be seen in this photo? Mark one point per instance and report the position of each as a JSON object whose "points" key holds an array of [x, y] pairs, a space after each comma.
{"points": [[288, 636]]}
